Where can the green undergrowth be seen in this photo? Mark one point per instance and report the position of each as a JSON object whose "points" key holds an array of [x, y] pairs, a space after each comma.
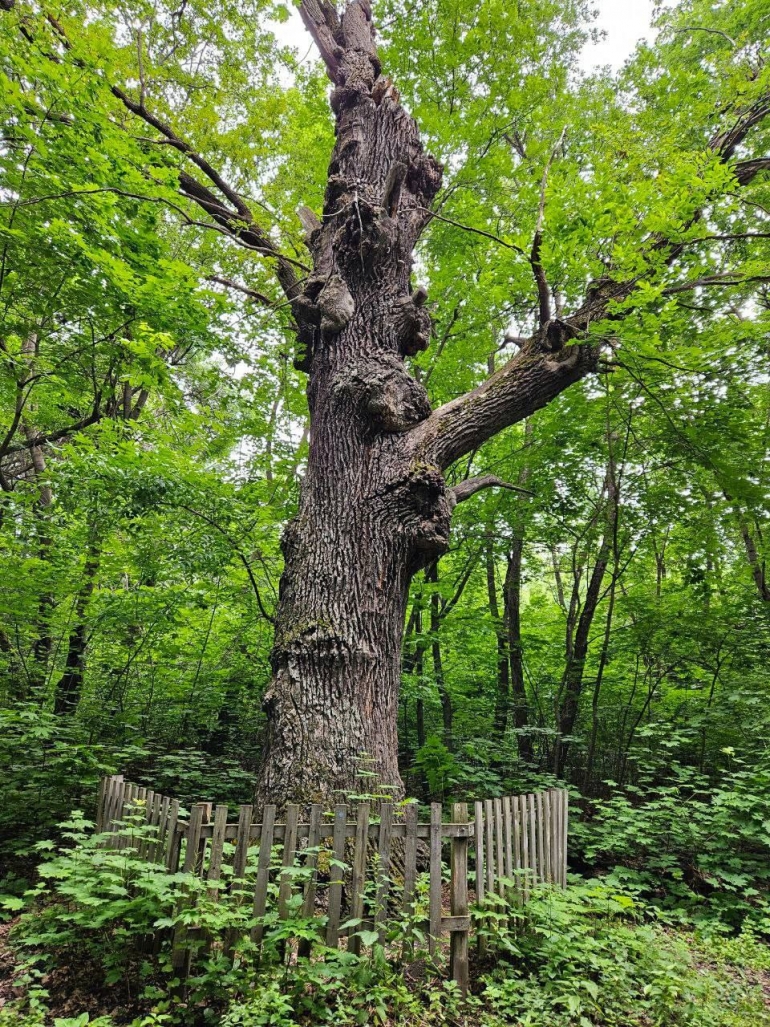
{"points": [[593, 955]]}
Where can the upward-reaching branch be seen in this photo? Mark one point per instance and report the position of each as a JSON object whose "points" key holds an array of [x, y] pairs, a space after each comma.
{"points": [[543, 292]]}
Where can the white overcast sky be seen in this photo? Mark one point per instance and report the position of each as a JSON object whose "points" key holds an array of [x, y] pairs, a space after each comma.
{"points": [[625, 22]]}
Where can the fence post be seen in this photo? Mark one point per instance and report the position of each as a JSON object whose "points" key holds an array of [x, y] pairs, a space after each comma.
{"points": [[459, 902], [311, 862]]}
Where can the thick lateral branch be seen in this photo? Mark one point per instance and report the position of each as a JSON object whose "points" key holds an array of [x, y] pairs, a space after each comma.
{"points": [[527, 382], [469, 487]]}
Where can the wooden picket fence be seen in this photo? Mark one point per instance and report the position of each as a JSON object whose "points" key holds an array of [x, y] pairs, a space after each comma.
{"points": [[510, 844]]}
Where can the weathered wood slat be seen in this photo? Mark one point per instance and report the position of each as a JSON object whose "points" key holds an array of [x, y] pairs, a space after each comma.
{"points": [[524, 820], [478, 834], [263, 872], [198, 816], [336, 874], [217, 849], [499, 848], [538, 797], [458, 957], [148, 799], [153, 819], [179, 952], [435, 876], [532, 838], [518, 862], [489, 828], [241, 856], [410, 856], [508, 837], [383, 869], [240, 859], [311, 864], [548, 839], [478, 848], [358, 883], [173, 839], [557, 832], [564, 836], [289, 857]]}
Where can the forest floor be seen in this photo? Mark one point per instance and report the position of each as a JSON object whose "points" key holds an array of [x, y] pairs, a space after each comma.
{"points": [[74, 990]]}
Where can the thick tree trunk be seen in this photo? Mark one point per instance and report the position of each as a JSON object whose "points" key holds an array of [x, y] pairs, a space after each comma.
{"points": [[373, 508], [369, 515]]}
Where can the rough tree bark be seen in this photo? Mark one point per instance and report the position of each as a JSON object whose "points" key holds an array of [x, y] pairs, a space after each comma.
{"points": [[374, 507]]}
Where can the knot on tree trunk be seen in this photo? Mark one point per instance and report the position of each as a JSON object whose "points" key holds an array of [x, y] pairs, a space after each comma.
{"points": [[335, 304], [389, 399], [418, 505], [412, 323], [367, 239]]}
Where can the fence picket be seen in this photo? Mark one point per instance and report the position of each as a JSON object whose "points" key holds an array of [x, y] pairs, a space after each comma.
{"points": [[359, 875], [242, 843], [499, 852], [179, 951], [336, 875], [532, 838], [174, 838], [289, 858], [434, 929], [564, 835], [263, 872], [311, 863], [517, 860], [547, 836], [489, 827], [383, 869], [217, 850], [508, 835], [410, 856], [524, 820]]}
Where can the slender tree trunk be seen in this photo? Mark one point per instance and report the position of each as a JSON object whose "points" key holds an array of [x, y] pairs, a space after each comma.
{"points": [[520, 707], [577, 647], [436, 618], [598, 683], [755, 562], [502, 695], [70, 686]]}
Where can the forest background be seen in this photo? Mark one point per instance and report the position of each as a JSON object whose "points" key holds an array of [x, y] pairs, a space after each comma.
{"points": [[607, 624]]}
